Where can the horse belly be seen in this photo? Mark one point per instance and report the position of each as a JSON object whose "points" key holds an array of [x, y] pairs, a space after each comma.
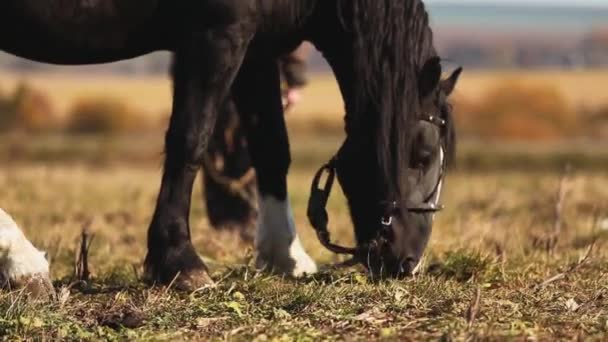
{"points": [[78, 31]]}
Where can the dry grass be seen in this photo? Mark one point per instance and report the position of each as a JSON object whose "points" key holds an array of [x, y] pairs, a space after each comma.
{"points": [[481, 279], [483, 271]]}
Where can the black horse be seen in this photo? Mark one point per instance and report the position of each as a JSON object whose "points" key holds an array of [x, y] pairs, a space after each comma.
{"points": [[381, 52]]}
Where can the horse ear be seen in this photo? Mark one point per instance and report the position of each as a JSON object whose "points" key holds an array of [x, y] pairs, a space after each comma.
{"points": [[429, 76], [448, 85]]}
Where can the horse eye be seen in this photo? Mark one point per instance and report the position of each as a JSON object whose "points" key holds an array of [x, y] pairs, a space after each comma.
{"points": [[421, 157]]}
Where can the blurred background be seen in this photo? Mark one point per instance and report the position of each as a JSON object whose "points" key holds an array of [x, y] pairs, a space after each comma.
{"points": [[533, 93], [77, 142]]}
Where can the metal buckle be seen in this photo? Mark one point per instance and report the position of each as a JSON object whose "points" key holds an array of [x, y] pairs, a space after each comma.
{"points": [[387, 221]]}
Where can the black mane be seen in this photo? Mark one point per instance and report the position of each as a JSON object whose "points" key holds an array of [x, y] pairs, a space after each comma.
{"points": [[392, 41]]}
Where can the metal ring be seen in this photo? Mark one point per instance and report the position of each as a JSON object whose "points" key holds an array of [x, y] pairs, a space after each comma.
{"points": [[387, 221]]}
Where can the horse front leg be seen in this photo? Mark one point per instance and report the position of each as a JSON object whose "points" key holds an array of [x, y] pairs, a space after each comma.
{"points": [[258, 95], [203, 72]]}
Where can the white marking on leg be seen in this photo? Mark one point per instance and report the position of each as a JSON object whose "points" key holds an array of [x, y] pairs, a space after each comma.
{"points": [[277, 242], [19, 259]]}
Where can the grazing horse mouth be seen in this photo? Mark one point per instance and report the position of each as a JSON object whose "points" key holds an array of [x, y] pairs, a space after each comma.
{"points": [[319, 218]]}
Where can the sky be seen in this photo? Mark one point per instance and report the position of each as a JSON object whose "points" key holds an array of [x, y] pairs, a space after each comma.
{"points": [[581, 3]]}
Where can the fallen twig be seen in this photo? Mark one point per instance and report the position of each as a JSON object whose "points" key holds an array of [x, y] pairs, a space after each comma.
{"points": [[598, 296], [550, 240], [571, 270], [562, 191], [81, 264], [473, 309]]}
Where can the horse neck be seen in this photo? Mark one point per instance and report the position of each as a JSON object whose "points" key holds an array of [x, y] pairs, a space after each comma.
{"points": [[339, 56]]}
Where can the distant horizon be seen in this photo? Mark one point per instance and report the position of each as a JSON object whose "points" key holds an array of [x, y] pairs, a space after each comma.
{"points": [[550, 3], [533, 16]]}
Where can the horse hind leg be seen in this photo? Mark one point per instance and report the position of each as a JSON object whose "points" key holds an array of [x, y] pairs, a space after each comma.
{"points": [[259, 102], [230, 189], [21, 264], [203, 73]]}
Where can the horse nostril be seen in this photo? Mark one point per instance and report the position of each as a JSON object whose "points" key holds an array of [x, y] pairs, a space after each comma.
{"points": [[410, 265]]}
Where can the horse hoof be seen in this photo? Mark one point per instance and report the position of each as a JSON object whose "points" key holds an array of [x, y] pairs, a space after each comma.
{"points": [[278, 245], [192, 280], [304, 265], [287, 266], [178, 267], [292, 261]]}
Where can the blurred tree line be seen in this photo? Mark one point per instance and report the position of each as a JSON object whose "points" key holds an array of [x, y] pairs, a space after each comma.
{"points": [[509, 110], [29, 110]]}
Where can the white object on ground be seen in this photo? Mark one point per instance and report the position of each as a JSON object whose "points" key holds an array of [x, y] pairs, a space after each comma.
{"points": [[21, 264]]}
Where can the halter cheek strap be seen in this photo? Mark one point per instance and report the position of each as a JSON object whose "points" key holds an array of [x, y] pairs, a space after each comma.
{"points": [[317, 204]]}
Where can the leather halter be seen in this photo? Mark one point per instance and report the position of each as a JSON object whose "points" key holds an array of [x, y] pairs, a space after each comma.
{"points": [[317, 203]]}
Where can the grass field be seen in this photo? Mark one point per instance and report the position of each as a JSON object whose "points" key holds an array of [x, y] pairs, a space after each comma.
{"points": [[483, 276], [487, 274]]}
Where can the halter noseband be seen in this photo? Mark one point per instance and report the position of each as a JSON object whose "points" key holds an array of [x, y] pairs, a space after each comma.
{"points": [[317, 204]]}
